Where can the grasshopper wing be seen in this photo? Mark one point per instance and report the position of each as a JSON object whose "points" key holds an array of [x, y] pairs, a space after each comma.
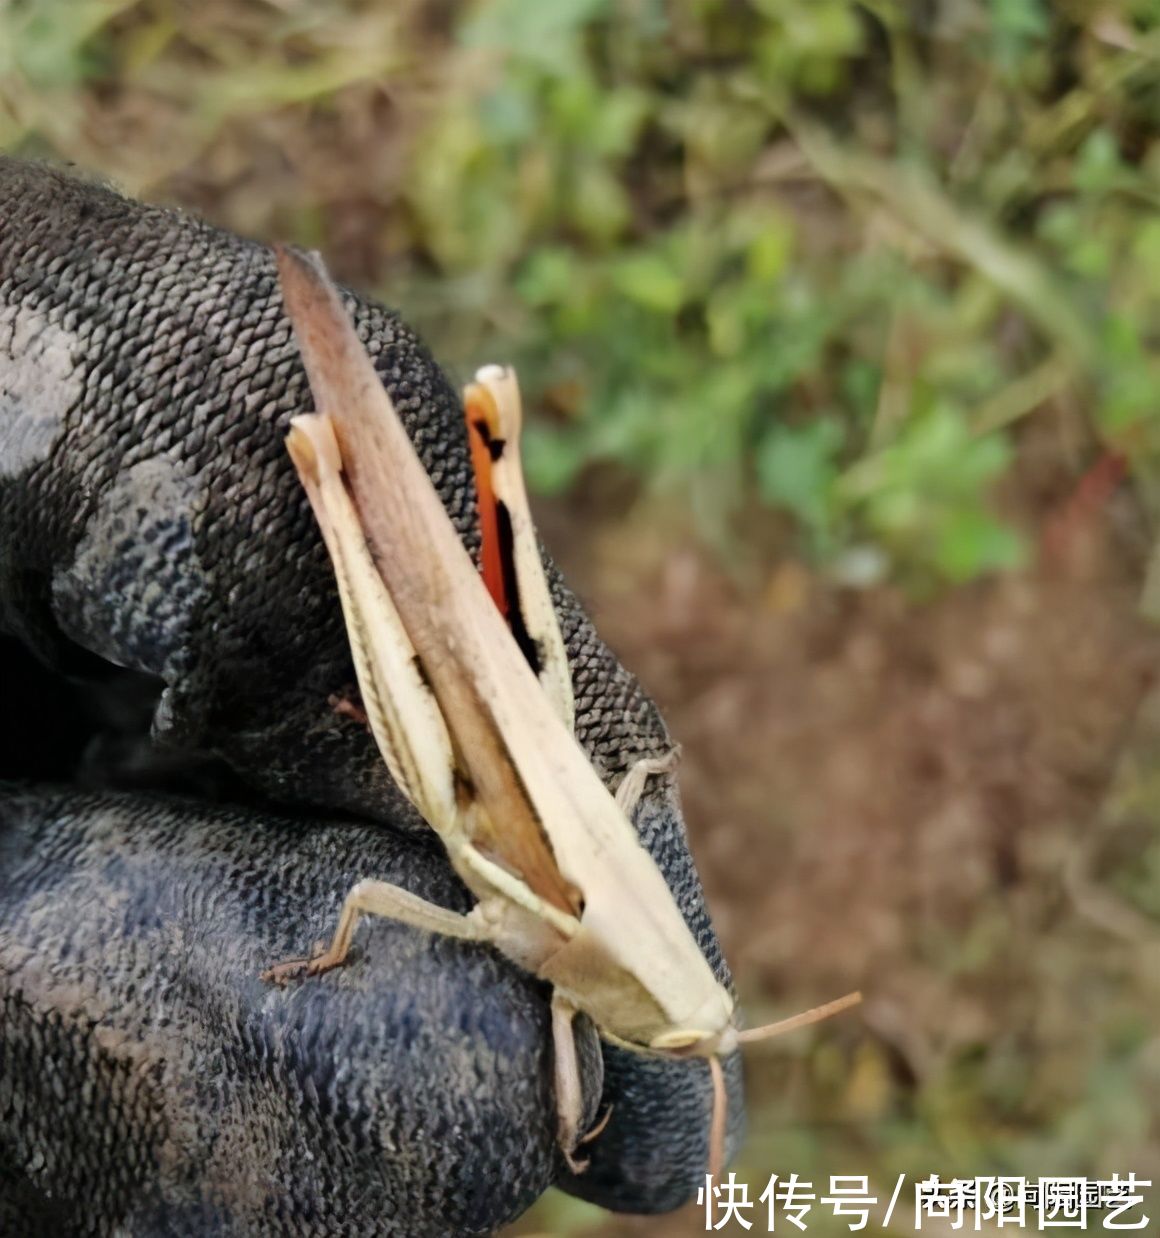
{"points": [[433, 587]]}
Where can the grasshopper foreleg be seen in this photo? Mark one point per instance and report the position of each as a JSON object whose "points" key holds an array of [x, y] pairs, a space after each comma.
{"points": [[633, 783], [380, 898], [569, 1096]]}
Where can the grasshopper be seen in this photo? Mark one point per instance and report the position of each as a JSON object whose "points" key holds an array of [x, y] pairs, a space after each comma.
{"points": [[466, 687]]}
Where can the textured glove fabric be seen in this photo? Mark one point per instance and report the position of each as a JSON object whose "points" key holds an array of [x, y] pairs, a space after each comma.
{"points": [[380, 1101]]}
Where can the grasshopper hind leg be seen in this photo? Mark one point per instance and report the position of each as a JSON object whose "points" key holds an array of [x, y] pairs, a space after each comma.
{"points": [[512, 565], [379, 898]]}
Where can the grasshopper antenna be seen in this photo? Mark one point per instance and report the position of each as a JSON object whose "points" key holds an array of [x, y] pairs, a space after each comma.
{"points": [[717, 1125], [751, 1036], [816, 1015]]}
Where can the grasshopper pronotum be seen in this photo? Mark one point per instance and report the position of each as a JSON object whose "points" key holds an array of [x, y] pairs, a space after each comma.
{"points": [[473, 715]]}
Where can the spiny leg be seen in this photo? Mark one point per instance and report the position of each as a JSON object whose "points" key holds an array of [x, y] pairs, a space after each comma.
{"points": [[399, 706], [569, 1096], [633, 783], [380, 898], [512, 564]]}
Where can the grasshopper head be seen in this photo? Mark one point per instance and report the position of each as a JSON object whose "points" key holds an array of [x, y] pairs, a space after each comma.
{"points": [[711, 1045], [714, 1045]]}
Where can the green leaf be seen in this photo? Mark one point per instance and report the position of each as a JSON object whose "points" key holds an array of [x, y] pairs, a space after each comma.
{"points": [[770, 250], [548, 276], [797, 469], [597, 202], [650, 280], [543, 34], [1098, 167], [971, 542], [57, 43], [1016, 25], [551, 457], [508, 115]]}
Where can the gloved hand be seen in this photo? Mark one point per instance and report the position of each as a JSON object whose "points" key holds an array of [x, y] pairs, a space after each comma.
{"points": [[158, 559]]}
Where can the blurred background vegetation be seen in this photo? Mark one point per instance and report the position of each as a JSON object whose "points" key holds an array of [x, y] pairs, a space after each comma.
{"points": [[838, 325]]}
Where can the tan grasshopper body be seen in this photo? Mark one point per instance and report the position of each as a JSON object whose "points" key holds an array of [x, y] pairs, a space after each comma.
{"points": [[482, 746]]}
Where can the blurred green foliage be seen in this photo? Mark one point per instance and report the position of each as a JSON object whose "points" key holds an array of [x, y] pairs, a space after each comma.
{"points": [[822, 268], [812, 251], [814, 256]]}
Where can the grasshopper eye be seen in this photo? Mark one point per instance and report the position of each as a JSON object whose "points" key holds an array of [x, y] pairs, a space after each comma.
{"points": [[678, 1039]]}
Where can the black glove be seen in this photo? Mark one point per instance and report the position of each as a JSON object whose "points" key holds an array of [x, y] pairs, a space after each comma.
{"points": [[158, 561]]}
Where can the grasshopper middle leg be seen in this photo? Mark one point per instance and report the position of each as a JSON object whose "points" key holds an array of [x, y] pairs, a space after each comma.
{"points": [[569, 1098], [633, 783], [569, 1094], [380, 898]]}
